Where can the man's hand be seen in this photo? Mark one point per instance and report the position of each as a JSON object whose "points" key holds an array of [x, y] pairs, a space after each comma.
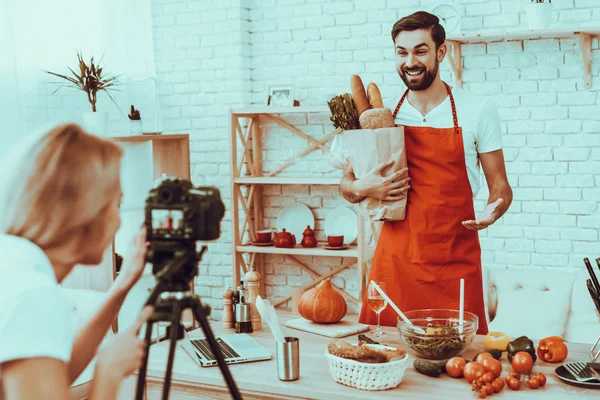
{"points": [[488, 216], [133, 262], [375, 185]]}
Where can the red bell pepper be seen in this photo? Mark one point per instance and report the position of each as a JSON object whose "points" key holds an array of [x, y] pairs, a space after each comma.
{"points": [[552, 349]]}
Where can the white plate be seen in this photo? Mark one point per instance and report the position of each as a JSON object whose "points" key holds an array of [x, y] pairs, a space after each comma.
{"points": [[294, 219], [342, 220]]}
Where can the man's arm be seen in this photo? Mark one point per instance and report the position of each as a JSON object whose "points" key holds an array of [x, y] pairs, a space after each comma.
{"points": [[495, 175], [374, 185], [347, 189], [500, 196]]}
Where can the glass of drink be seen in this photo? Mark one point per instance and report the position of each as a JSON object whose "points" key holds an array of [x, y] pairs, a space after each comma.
{"points": [[377, 303]]}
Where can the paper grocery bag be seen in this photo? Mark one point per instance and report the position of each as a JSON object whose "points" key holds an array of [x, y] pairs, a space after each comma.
{"points": [[368, 147]]}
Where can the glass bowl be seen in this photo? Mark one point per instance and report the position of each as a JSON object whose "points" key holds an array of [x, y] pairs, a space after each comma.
{"points": [[445, 336]]}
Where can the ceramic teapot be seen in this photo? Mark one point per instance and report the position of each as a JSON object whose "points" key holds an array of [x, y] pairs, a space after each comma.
{"points": [[284, 239], [308, 238]]}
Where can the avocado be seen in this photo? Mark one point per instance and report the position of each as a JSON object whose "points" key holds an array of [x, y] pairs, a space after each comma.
{"points": [[497, 354], [428, 368]]}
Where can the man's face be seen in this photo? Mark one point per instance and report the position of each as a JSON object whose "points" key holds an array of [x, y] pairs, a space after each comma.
{"points": [[417, 58]]}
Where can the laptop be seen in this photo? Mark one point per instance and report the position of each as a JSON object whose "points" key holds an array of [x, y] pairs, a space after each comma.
{"points": [[236, 348]]}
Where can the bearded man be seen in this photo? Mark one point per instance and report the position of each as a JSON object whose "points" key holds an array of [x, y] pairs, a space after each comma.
{"points": [[449, 135]]}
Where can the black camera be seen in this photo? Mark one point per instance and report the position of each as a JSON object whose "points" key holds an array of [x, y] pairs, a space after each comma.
{"points": [[177, 214]]}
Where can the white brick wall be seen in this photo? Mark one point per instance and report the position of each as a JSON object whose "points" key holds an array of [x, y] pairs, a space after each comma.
{"points": [[212, 55]]}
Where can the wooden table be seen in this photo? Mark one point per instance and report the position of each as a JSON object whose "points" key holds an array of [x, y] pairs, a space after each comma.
{"points": [[258, 380]]}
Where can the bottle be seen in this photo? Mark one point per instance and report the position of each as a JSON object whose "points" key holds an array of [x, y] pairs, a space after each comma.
{"points": [[243, 313]]}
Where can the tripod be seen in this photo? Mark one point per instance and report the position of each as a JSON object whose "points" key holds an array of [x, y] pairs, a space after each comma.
{"points": [[170, 299]]}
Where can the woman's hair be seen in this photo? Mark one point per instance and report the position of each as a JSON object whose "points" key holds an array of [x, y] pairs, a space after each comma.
{"points": [[421, 20], [56, 185]]}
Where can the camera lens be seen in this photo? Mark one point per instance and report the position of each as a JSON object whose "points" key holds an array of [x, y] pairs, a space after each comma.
{"points": [[165, 195]]}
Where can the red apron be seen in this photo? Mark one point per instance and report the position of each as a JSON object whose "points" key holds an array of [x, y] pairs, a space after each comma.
{"points": [[422, 259]]}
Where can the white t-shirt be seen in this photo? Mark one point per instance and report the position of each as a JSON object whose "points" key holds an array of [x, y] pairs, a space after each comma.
{"points": [[35, 319], [477, 116]]}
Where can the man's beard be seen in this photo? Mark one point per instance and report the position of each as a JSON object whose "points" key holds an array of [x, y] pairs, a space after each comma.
{"points": [[424, 80]]}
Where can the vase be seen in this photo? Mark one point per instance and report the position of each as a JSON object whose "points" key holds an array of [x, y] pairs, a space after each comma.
{"points": [[135, 127], [96, 123], [539, 15]]}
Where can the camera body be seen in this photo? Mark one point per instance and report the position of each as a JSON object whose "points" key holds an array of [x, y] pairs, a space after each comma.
{"points": [[177, 215]]}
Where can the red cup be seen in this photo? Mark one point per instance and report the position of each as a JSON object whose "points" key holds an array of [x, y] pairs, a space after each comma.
{"points": [[335, 241], [264, 236]]}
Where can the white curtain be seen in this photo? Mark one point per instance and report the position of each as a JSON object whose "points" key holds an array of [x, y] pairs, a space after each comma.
{"points": [[40, 35]]}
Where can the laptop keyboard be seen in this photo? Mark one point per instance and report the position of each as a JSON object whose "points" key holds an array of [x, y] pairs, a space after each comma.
{"points": [[204, 348]]}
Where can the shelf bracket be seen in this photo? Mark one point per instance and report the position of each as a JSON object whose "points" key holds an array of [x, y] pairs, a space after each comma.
{"points": [[454, 56], [585, 44]]}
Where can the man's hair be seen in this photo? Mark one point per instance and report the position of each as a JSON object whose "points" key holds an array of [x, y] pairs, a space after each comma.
{"points": [[56, 184], [421, 20]]}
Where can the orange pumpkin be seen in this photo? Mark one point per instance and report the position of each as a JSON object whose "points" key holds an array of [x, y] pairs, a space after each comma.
{"points": [[322, 304]]}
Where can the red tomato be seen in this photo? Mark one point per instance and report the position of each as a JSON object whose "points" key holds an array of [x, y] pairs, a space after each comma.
{"points": [[482, 356], [513, 383], [522, 362], [489, 389], [455, 367], [487, 377], [534, 382], [498, 385], [494, 366], [473, 370], [542, 378]]}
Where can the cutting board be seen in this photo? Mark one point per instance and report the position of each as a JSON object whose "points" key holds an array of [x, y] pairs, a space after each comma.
{"points": [[337, 330]]}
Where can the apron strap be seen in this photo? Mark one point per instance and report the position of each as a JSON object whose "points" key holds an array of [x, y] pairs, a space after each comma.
{"points": [[454, 115]]}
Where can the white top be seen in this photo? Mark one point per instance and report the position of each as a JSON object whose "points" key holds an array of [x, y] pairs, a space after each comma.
{"points": [[35, 319], [477, 116]]}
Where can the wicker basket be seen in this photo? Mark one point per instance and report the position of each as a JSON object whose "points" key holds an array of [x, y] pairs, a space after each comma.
{"points": [[366, 376]]}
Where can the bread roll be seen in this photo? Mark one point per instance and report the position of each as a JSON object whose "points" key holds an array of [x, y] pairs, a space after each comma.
{"points": [[377, 118], [359, 95], [374, 96]]}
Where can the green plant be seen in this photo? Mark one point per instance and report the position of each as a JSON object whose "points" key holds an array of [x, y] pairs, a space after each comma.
{"points": [[343, 112], [135, 114], [91, 79]]}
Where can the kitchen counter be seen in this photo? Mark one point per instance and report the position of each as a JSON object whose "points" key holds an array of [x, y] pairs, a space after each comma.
{"points": [[258, 380]]}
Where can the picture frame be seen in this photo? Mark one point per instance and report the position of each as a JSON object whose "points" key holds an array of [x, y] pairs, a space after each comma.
{"points": [[280, 95]]}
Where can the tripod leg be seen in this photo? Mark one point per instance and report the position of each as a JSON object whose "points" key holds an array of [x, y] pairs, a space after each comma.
{"points": [[142, 374], [173, 338], [200, 313]]}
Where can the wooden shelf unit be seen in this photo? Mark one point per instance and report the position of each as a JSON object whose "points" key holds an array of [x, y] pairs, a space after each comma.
{"points": [[585, 44], [248, 171]]}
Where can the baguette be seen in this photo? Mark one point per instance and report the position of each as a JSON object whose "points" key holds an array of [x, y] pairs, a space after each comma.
{"points": [[359, 95], [374, 96]]}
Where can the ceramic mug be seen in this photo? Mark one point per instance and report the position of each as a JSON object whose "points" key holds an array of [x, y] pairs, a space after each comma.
{"points": [[335, 240], [264, 236]]}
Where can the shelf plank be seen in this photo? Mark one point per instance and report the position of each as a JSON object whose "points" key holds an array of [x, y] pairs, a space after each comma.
{"points": [[279, 180], [149, 138], [521, 35], [280, 110], [351, 251]]}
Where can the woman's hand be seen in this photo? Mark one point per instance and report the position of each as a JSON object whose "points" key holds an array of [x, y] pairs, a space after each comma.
{"points": [[133, 262], [125, 353], [390, 188]]}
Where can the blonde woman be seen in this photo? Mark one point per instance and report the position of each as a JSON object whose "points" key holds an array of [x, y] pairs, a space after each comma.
{"points": [[59, 206]]}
